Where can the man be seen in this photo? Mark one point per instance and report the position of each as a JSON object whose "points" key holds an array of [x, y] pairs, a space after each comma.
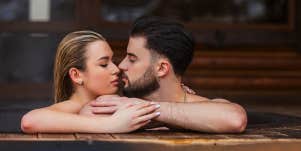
{"points": [[158, 53]]}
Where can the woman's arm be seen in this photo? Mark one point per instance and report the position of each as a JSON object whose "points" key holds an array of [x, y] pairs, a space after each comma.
{"points": [[50, 121], [53, 120]]}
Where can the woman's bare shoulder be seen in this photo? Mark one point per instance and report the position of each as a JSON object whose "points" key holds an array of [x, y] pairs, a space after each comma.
{"points": [[68, 106]]}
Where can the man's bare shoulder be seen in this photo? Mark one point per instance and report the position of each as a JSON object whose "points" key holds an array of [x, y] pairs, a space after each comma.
{"points": [[198, 98]]}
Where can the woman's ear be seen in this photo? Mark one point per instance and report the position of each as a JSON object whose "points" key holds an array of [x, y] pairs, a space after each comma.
{"points": [[163, 67], [76, 76]]}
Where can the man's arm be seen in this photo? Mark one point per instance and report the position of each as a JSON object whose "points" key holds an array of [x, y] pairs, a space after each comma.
{"points": [[205, 116], [200, 114]]}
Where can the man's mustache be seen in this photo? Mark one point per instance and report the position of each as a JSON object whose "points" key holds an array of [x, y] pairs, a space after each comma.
{"points": [[123, 75]]}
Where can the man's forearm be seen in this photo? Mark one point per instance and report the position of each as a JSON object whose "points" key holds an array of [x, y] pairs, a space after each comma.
{"points": [[204, 116]]}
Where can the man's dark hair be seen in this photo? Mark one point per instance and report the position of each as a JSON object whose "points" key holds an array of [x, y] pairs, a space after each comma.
{"points": [[168, 38]]}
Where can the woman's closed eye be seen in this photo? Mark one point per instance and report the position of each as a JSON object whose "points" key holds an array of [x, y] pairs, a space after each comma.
{"points": [[104, 65]]}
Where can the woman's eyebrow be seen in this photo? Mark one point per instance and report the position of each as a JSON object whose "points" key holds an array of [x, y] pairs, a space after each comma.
{"points": [[104, 58]]}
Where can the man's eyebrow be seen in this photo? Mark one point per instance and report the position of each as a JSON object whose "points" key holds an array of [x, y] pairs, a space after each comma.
{"points": [[131, 54], [104, 58]]}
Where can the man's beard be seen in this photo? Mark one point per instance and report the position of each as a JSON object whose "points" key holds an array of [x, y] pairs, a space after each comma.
{"points": [[143, 86]]}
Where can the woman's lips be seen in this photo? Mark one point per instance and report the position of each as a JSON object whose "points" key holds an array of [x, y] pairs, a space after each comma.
{"points": [[115, 82]]}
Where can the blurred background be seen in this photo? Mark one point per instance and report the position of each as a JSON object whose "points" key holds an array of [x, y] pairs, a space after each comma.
{"points": [[248, 51]]}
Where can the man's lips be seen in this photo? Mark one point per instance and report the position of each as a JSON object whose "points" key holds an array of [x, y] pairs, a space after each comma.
{"points": [[124, 78]]}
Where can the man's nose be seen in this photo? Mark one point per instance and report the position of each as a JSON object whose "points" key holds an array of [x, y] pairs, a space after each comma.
{"points": [[122, 65]]}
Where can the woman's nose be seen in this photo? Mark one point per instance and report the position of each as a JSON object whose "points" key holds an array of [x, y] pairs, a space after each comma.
{"points": [[116, 70]]}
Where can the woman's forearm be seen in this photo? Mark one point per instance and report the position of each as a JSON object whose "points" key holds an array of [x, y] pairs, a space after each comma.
{"points": [[49, 121]]}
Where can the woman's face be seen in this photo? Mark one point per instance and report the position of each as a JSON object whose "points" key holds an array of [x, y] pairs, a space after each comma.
{"points": [[101, 74]]}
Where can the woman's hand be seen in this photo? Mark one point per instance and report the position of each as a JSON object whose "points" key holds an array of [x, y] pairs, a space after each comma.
{"points": [[132, 116]]}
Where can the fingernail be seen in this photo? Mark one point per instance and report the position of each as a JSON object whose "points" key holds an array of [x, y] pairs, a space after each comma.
{"points": [[158, 113], [157, 106], [152, 103]]}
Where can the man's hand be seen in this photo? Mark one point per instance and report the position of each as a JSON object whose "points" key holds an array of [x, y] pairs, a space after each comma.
{"points": [[94, 107], [130, 117], [107, 104]]}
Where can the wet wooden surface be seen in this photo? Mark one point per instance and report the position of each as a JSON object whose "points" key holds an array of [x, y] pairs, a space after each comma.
{"points": [[255, 138], [269, 128]]}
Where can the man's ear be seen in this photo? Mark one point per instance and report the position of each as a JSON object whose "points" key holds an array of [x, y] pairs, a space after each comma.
{"points": [[76, 76], [163, 67]]}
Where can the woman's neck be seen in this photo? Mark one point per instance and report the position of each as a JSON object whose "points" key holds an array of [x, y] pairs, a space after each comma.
{"points": [[81, 96]]}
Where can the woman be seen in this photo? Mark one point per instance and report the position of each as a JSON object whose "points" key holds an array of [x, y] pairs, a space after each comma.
{"points": [[83, 71]]}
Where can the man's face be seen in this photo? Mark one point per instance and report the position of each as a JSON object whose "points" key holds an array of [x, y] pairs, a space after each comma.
{"points": [[138, 72]]}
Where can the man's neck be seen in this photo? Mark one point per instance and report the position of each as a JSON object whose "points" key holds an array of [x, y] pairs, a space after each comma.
{"points": [[169, 91]]}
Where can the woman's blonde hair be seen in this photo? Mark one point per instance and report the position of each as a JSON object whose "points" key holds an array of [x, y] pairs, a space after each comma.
{"points": [[71, 53]]}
